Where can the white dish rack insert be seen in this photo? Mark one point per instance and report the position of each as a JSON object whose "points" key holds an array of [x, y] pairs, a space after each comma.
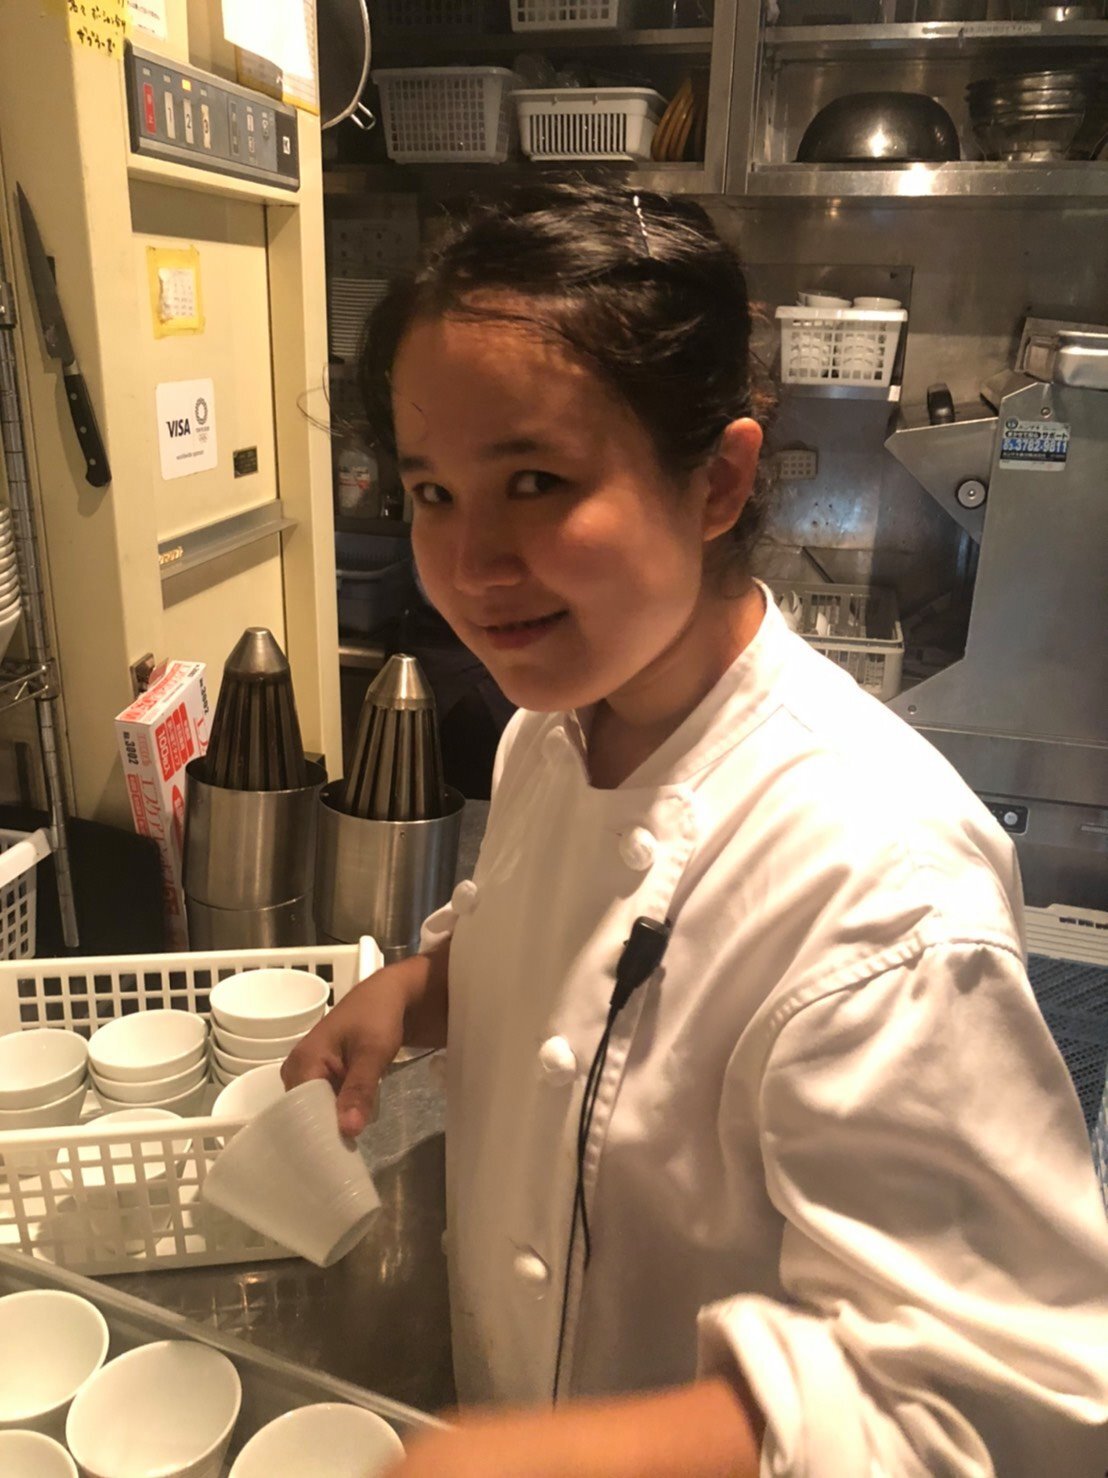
{"points": [[42, 1213]]}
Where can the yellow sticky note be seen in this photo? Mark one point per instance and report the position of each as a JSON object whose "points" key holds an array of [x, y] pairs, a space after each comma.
{"points": [[176, 304], [97, 25]]}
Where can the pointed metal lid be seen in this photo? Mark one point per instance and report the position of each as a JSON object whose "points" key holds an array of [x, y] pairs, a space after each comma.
{"points": [[256, 657], [400, 684]]}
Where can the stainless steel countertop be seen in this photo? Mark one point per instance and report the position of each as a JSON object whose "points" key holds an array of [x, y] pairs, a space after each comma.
{"points": [[380, 1317]]}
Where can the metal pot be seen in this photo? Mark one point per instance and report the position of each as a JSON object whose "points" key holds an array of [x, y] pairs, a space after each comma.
{"points": [[880, 128]]}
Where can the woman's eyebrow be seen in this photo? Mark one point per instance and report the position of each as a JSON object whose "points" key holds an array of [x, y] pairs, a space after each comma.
{"points": [[512, 446]]}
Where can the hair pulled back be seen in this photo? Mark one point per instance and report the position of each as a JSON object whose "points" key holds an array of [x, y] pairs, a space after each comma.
{"points": [[639, 285]]}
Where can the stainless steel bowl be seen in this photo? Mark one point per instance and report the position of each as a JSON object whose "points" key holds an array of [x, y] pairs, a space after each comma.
{"points": [[880, 128]]}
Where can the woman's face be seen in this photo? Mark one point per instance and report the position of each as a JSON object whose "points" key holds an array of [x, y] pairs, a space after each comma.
{"points": [[544, 529]]}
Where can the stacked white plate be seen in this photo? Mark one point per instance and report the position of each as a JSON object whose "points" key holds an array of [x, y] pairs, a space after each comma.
{"points": [[151, 1059], [11, 607], [259, 1016]]}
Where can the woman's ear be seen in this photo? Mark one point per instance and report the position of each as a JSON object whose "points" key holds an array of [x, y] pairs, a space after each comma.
{"points": [[730, 474]]}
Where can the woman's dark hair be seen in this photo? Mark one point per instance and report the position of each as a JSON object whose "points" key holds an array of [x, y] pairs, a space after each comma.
{"points": [[637, 284]]}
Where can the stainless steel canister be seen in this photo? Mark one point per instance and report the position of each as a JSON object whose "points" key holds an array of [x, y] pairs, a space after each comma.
{"points": [[250, 862], [383, 877]]}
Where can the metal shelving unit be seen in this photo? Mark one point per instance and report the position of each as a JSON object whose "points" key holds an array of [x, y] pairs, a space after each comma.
{"points": [[919, 40], [972, 181], [22, 681], [681, 41]]}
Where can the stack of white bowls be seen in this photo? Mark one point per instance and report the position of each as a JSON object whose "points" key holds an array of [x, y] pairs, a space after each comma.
{"points": [[151, 1059], [10, 604], [259, 1016], [43, 1081]]}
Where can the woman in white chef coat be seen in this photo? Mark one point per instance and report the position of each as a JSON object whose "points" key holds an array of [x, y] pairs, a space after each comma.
{"points": [[824, 1204]]}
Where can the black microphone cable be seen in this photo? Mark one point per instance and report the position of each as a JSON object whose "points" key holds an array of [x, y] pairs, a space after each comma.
{"points": [[641, 956]]}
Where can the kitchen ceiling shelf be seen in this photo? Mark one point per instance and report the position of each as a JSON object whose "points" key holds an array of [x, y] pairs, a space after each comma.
{"points": [[973, 181], [918, 40], [680, 41]]}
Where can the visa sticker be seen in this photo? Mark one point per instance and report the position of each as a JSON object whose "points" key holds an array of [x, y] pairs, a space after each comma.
{"points": [[1041, 446]]}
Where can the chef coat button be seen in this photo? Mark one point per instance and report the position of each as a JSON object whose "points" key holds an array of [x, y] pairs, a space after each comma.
{"points": [[530, 1269], [637, 849], [553, 745], [558, 1060], [463, 900]]}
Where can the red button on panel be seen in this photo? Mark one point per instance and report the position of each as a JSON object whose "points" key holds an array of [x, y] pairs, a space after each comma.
{"points": [[148, 106]]}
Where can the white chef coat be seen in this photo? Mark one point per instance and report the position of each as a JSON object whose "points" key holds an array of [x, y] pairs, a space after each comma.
{"points": [[834, 1145]]}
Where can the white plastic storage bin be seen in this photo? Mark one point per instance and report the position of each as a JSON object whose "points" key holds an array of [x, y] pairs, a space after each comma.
{"points": [[570, 15], [53, 1203], [20, 853], [588, 123], [447, 113], [856, 626], [442, 17], [854, 346]]}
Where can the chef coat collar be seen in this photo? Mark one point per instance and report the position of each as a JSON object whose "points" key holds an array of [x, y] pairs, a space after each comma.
{"points": [[737, 704]]}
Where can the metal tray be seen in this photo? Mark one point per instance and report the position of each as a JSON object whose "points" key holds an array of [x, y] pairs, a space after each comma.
{"points": [[270, 1386]]}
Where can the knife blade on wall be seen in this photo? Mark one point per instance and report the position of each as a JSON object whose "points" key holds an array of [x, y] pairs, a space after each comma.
{"points": [[59, 346]]}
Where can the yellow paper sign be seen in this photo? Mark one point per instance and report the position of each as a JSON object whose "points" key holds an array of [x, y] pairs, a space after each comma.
{"points": [[97, 25], [175, 301]]}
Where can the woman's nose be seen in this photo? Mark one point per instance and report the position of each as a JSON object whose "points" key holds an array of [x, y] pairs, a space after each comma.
{"points": [[485, 555]]}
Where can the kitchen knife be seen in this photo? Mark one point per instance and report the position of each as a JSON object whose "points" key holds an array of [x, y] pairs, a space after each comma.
{"points": [[60, 346]]}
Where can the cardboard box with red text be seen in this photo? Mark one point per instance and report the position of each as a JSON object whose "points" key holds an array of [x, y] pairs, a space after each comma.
{"points": [[159, 733]]}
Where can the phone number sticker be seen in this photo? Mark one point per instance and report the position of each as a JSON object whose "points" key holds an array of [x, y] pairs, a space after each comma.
{"points": [[1041, 445]]}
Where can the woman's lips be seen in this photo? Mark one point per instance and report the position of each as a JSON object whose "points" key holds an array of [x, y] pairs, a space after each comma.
{"points": [[513, 634]]}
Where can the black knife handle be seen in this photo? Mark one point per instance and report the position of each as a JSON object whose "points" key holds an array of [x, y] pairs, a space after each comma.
{"points": [[97, 471]]}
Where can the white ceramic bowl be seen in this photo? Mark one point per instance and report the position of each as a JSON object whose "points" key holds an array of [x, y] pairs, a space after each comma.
{"points": [[269, 1003], [886, 303], [823, 300], [50, 1344], [257, 1049], [65, 1110], [222, 1078], [31, 1455], [8, 623], [121, 1156], [331, 1440], [156, 1089], [236, 1065], [185, 1105], [40, 1066], [163, 1410], [148, 1044], [245, 1096]]}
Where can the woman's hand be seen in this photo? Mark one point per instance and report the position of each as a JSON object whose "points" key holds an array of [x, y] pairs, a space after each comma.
{"points": [[706, 1430], [354, 1044]]}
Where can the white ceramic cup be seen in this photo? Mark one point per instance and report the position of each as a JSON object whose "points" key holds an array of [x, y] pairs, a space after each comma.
{"points": [[147, 1044], [289, 1174], [330, 1440], [40, 1066], [51, 1343], [33, 1455], [269, 1003], [163, 1410], [811, 354], [857, 354], [245, 1096]]}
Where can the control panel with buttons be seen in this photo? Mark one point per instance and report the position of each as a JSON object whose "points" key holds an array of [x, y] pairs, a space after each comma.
{"points": [[189, 117], [1012, 816]]}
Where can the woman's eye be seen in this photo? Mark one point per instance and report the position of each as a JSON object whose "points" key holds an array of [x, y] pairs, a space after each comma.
{"points": [[429, 494], [534, 484]]}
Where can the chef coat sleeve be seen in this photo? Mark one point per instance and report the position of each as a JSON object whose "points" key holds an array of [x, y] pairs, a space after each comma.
{"points": [[439, 926], [944, 1253]]}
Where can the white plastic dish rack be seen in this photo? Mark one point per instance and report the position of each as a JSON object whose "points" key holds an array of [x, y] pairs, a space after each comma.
{"points": [[20, 854], [570, 15], [588, 122], [447, 113], [854, 346], [856, 626], [168, 1225]]}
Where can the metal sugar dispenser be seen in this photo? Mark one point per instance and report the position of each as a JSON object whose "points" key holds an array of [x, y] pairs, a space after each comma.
{"points": [[388, 833], [251, 810]]}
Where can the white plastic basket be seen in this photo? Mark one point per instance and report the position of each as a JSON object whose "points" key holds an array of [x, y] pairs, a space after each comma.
{"points": [[856, 626], [443, 17], [447, 113], [20, 853], [588, 123], [852, 345], [569, 15], [165, 1222]]}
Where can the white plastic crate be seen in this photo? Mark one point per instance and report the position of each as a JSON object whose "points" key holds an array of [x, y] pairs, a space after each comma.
{"points": [[164, 1222], [570, 15], [443, 17], [856, 626], [447, 113], [588, 123], [20, 852], [852, 345]]}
